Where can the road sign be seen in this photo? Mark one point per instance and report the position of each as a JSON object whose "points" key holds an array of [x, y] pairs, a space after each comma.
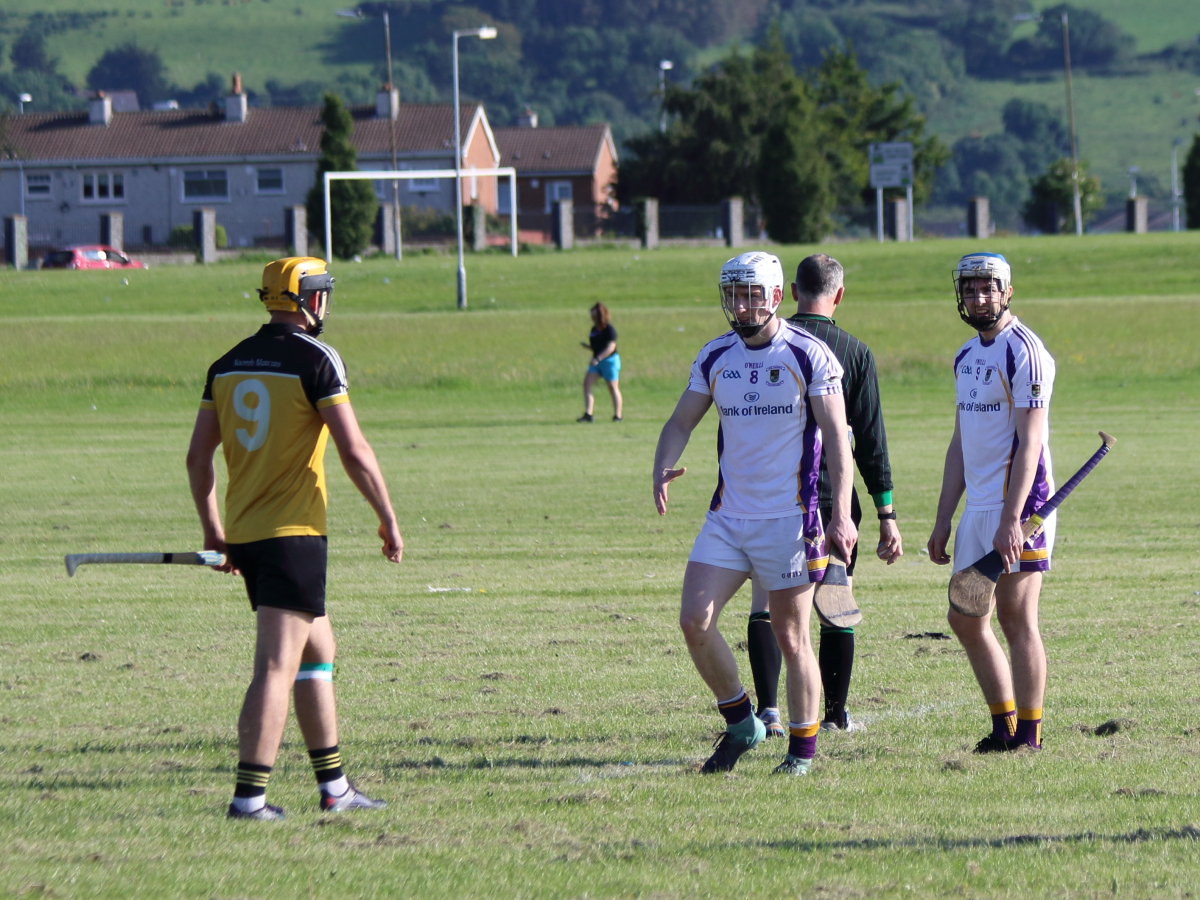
{"points": [[891, 164]]}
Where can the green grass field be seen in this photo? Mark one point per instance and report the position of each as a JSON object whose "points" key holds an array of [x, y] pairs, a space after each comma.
{"points": [[536, 733]]}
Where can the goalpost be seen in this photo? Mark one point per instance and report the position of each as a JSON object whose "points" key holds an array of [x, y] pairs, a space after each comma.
{"points": [[504, 172]]}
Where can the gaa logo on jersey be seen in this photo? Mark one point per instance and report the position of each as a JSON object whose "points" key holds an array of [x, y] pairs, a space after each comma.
{"points": [[1035, 390], [731, 373], [774, 376], [751, 397]]}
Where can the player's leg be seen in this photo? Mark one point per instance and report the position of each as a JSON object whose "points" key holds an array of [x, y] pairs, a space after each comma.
{"points": [[836, 653], [316, 711], [791, 610], [614, 388], [282, 634], [706, 590], [765, 659], [589, 399], [1017, 611]]}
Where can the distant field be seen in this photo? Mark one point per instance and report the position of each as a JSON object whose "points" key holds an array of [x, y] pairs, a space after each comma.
{"points": [[1155, 23], [536, 734]]}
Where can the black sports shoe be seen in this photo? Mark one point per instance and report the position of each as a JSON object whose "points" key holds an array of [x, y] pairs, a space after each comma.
{"points": [[586, 417], [617, 419], [729, 748], [993, 744], [352, 799], [266, 813]]}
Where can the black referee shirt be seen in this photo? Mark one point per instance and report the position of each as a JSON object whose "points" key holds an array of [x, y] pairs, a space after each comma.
{"points": [[860, 387]]}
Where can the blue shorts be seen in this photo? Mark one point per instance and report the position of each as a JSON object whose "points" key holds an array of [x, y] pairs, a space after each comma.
{"points": [[609, 369]]}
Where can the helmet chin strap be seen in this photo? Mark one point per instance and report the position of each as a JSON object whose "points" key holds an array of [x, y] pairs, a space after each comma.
{"points": [[982, 323]]}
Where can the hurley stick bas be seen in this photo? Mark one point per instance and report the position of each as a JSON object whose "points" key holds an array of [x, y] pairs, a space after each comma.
{"points": [[833, 597], [973, 589], [202, 558]]}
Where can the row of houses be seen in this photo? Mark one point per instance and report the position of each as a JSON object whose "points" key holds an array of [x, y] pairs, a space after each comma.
{"points": [[63, 170]]}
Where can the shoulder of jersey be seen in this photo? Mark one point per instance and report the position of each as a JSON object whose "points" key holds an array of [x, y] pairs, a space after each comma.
{"points": [[719, 341], [319, 349]]}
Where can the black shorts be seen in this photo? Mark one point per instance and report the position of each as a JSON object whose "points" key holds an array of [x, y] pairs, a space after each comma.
{"points": [[855, 516], [284, 572]]}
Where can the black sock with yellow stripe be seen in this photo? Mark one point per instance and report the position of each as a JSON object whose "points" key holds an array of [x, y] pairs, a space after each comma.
{"points": [[251, 780], [327, 764]]}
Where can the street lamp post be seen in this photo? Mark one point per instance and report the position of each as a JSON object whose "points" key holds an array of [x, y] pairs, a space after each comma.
{"points": [[1066, 42], [357, 13], [484, 33], [1175, 192], [664, 66], [1133, 174]]}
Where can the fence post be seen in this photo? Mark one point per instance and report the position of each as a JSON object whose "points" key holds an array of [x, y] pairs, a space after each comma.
{"points": [[733, 221], [1136, 215], [112, 230], [295, 229], [563, 224], [647, 213], [204, 230], [979, 218], [896, 220], [385, 229], [478, 227], [16, 241]]}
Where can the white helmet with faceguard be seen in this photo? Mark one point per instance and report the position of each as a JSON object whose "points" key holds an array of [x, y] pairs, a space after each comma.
{"points": [[992, 269], [751, 290]]}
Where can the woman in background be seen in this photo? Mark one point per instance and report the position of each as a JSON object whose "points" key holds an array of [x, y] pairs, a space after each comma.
{"points": [[606, 363]]}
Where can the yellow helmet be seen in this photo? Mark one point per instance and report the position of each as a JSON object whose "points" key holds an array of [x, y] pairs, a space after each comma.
{"points": [[298, 284]]}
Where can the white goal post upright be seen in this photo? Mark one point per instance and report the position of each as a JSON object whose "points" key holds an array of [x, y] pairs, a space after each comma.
{"points": [[504, 172]]}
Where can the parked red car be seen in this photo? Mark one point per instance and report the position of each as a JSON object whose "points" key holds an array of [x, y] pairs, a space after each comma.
{"points": [[89, 256]]}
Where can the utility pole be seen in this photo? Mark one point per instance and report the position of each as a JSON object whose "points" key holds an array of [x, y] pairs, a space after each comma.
{"points": [[393, 114], [1066, 42]]}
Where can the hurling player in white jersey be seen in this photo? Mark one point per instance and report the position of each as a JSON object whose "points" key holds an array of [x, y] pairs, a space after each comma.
{"points": [[778, 393], [1000, 456]]}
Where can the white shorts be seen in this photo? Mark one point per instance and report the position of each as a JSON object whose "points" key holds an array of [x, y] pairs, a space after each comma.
{"points": [[977, 529], [776, 550]]}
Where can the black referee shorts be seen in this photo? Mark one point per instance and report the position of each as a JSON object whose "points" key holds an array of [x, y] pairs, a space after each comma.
{"points": [[284, 572], [855, 516]]}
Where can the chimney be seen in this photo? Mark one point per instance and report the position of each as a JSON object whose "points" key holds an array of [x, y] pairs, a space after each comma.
{"points": [[387, 103], [527, 119], [235, 103], [100, 109]]}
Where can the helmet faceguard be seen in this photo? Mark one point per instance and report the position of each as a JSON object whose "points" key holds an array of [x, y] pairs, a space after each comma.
{"points": [[992, 269], [299, 284], [751, 290]]}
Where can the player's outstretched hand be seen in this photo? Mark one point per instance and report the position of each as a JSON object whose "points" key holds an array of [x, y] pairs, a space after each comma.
{"points": [[393, 543], [661, 480], [890, 548], [937, 543], [218, 544]]}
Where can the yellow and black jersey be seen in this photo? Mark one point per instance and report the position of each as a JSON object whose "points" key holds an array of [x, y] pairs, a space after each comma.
{"points": [[266, 392]]}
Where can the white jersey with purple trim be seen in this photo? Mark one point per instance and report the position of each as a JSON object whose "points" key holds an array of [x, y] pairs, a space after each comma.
{"points": [[768, 443], [992, 381]]}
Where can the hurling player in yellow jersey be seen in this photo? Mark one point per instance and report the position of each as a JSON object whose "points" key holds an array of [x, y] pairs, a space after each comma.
{"points": [[272, 402]]}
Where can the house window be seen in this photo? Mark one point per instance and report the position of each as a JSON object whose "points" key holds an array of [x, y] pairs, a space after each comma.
{"points": [[557, 190], [270, 181], [422, 185], [102, 187], [37, 187], [205, 184], [503, 198]]}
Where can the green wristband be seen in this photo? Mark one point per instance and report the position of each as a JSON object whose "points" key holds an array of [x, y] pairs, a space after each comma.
{"points": [[882, 499]]}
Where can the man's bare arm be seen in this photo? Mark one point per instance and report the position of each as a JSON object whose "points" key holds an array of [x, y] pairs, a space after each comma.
{"points": [[358, 459], [830, 412], [673, 441], [1031, 424], [202, 479], [954, 484]]}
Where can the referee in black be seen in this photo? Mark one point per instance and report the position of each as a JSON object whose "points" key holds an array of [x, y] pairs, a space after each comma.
{"points": [[818, 290]]}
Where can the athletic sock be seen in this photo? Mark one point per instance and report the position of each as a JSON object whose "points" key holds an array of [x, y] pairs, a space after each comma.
{"points": [[736, 709], [765, 659], [837, 662], [327, 766], [802, 743], [1029, 727], [1004, 719], [250, 791]]}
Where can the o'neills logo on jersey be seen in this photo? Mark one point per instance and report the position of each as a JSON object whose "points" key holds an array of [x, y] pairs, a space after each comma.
{"points": [[765, 409], [966, 406]]}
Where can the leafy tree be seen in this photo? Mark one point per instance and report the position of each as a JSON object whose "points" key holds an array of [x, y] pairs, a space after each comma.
{"points": [[1095, 41], [1051, 205], [1191, 184], [1043, 134], [984, 30], [353, 203], [132, 68], [793, 175], [29, 54], [990, 166]]}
